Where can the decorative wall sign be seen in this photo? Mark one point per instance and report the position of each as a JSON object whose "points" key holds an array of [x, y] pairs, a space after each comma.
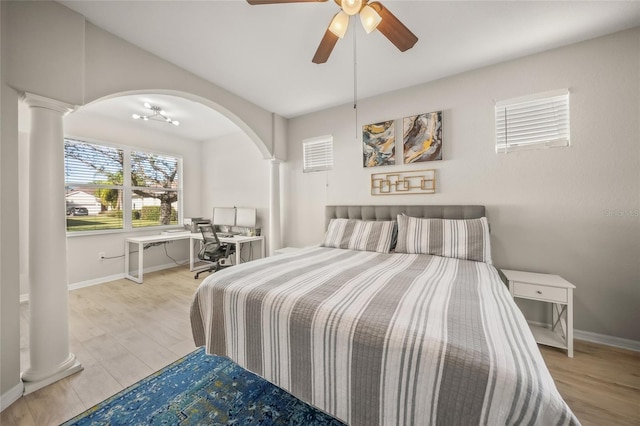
{"points": [[378, 142], [422, 137], [409, 182]]}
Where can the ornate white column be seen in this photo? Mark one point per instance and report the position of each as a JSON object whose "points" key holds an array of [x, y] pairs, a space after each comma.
{"points": [[275, 234], [49, 354]]}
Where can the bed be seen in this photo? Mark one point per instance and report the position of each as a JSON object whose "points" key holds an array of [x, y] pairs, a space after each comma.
{"points": [[425, 334]]}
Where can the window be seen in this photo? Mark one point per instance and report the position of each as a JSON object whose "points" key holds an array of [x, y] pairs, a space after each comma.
{"points": [[109, 188], [154, 186], [537, 121], [317, 154]]}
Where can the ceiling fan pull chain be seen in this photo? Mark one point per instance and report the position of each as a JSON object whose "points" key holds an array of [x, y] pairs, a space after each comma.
{"points": [[355, 80], [355, 72]]}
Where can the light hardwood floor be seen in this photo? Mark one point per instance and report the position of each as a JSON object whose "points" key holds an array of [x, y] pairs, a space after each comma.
{"points": [[122, 332]]}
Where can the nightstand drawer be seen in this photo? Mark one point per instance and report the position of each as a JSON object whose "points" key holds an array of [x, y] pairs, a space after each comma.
{"points": [[542, 292]]}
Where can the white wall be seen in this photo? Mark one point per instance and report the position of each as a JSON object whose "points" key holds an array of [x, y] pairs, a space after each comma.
{"points": [[83, 262], [54, 52], [51, 51], [227, 171], [82, 250], [547, 208], [235, 174]]}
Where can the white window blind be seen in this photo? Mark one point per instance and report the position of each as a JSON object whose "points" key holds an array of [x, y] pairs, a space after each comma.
{"points": [[94, 187], [109, 188], [536, 121], [317, 154]]}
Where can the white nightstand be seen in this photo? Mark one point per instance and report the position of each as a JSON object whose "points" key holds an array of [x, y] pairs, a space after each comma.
{"points": [[552, 289]]}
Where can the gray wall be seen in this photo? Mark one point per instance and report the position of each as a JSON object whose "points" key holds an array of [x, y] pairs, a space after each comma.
{"points": [[9, 223], [550, 210]]}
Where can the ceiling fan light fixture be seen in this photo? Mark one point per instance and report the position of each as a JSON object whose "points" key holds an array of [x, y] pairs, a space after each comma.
{"points": [[339, 24], [351, 7], [369, 18]]}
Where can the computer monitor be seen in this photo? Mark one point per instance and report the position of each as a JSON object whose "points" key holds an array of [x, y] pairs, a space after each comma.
{"points": [[246, 217], [224, 216]]}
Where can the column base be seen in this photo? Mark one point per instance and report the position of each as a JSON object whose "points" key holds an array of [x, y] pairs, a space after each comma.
{"points": [[34, 381]]}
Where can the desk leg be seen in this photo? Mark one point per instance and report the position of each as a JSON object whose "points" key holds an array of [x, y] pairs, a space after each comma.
{"points": [[238, 252], [191, 250], [264, 248], [140, 262], [126, 259], [127, 256]]}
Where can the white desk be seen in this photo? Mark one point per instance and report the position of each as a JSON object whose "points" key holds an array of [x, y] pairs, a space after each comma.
{"points": [[193, 239], [238, 240], [141, 241]]}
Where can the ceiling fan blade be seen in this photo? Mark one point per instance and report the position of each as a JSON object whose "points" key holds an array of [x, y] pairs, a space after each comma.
{"points": [[393, 29], [326, 46], [257, 2]]}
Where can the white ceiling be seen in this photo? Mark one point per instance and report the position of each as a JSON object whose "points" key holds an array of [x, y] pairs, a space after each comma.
{"points": [[263, 53], [197, 121]]}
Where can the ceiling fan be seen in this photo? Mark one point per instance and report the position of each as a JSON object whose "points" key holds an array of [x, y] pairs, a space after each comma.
{"points": [[373, 16]]}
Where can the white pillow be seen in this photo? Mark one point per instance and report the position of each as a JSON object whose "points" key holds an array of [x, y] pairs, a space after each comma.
{"points": [[360, 235], [457, 238]]}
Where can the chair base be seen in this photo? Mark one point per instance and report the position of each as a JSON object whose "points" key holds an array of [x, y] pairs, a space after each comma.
{"points": [[214, 268]]}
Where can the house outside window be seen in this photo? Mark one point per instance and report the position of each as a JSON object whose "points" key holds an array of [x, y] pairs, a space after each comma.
{"points": [[120, 188]]}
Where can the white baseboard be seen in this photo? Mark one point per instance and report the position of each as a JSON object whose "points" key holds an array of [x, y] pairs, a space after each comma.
{"points": [[96, 281], [602, 339], [82, 284], [11, 396]]}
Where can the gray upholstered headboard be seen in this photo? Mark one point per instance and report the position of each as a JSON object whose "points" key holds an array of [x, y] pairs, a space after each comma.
{"points": [[390, 212]]}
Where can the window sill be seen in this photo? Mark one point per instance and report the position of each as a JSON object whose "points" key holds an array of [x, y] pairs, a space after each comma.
{"points": [[157, 229]]}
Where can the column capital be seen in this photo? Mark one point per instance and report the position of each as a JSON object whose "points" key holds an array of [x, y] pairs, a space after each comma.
{"points": [[38, 101], [275, 161]]}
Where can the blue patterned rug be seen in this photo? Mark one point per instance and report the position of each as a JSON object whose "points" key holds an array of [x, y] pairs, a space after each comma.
{"points": [[202, 389]]}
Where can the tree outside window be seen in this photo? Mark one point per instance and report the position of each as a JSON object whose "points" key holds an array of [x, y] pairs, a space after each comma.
{"points": [[120, 183]]}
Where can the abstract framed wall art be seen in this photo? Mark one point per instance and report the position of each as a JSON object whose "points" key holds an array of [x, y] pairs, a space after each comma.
{"points": [[378, 142], [422, 137], [407, 182]]}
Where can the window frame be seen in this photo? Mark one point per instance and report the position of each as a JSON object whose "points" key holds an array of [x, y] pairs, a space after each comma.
{"points": [[557, 102], [127, 189], [326, 143]]}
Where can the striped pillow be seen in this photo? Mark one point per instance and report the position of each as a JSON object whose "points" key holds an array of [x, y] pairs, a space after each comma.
{"points": [[461, 239], [359, 235]]}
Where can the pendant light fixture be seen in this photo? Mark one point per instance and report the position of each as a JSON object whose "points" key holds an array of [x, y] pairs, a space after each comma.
{"points": [[158, 114]]}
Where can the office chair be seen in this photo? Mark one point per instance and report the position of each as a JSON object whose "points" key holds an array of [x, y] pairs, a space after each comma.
{"points": [[212, 249]]}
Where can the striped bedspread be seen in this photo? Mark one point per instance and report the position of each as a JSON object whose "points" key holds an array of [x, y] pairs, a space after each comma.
{"points": [[382, 339]]}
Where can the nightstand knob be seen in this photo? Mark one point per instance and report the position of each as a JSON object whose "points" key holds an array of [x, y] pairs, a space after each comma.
{"points": [[539, 292]]}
